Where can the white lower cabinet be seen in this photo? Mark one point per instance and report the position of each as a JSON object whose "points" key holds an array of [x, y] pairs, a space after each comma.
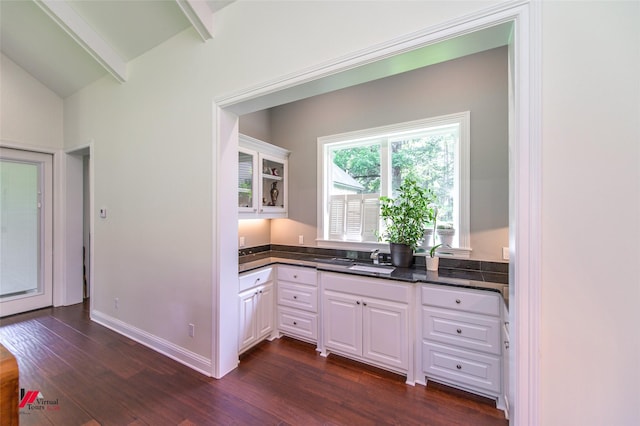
{"points": [[462, 339], [256, 308], [366, 319], [298, 302]]}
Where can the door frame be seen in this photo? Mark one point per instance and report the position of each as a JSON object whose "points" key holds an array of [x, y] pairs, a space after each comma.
{"points": [[525, 185]]}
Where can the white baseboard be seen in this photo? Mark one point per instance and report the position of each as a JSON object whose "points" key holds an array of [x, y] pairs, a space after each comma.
{"points": [[178, 353]]}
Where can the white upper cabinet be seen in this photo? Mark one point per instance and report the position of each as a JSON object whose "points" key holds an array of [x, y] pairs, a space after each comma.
{"points": [[263, 184]]}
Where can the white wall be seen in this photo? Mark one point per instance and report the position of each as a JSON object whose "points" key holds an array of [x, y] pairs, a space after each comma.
{"points": [[153, 168], [30, 113], [590, 358]]}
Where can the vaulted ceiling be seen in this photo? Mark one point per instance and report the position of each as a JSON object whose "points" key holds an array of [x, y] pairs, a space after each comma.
{"points": [[68, 44]]}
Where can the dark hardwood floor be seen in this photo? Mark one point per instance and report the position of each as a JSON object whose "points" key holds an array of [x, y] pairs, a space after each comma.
{"points": [[90, 375]]}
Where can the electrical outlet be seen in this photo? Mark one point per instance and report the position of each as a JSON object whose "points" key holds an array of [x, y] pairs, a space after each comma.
{"points": [[300, 239], [192, 330], [505, 253], [242, 242], [116, 303]]}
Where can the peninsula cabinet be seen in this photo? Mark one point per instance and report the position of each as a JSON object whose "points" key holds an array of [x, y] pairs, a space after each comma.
{"points": [[256, 298], [263, 186], [462, 339], [298, 302], [367, 319]]}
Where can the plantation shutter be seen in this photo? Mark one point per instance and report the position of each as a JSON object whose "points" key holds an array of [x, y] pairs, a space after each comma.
{"points": [[337, 207], [353, 229], [370, 216]]}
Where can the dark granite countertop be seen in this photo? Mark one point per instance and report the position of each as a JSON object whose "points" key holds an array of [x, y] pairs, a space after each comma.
{"points": [[455, 277]]}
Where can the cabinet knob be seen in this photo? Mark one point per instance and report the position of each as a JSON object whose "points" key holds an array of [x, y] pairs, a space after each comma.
{"points": [[295, 297], [295, 276], [357, 302], [260, 291], [458, 301], [295, 323], [364, 303], [459, 367], [459, 331]]}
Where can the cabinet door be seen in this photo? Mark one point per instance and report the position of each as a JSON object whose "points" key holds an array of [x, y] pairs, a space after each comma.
{"points": [[248, 332], [385, 332], [265, 313], [342, 320], [273, 185], [247, 181]]}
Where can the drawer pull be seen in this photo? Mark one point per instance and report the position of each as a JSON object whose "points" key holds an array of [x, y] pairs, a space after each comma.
{"points": [[295, 323], [458, 301], [295, 276], [295, 297], [459, 331], [364, 303], [459, 367], [357, 302]]}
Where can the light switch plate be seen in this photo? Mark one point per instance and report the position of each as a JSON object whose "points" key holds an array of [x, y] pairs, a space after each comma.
{"points": [[103, 212], [505, 253]]}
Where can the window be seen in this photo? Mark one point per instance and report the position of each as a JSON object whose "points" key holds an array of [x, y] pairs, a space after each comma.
{"points": [[358, 167]]}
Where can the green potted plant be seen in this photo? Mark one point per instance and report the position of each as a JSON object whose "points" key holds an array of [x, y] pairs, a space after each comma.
{"points": [[432, 260], [405, 218]]}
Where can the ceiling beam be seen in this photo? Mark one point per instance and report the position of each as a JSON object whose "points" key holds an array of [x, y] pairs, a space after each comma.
{"points": [[200, 16], [73, 24]]}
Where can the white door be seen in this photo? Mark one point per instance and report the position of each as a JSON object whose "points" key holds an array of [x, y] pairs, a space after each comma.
{"points": [[26, 234]]}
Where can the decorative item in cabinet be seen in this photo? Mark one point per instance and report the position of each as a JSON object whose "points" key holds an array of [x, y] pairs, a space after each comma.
{"points": [[262, 179]]}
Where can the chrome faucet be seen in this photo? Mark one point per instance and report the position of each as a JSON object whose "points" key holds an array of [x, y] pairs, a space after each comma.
{"points": [[374, 256]]}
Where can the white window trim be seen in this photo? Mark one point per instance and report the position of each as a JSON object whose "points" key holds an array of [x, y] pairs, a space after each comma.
{"points": [[464, 244]]}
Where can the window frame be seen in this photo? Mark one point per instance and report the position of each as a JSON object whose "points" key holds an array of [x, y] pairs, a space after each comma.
{"points": [[324, 143]]}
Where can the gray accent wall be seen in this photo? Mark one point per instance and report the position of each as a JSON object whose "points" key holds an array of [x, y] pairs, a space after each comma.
{"points": [[477, 83]]}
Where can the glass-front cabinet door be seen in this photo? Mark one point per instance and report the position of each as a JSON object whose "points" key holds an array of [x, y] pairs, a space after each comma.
{"points": [[262, 179], [274, 192], [247, 162]]}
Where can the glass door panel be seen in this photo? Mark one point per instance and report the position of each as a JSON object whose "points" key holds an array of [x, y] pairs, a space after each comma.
{"points": [[246, 176], [19, 214], [25, 231]]}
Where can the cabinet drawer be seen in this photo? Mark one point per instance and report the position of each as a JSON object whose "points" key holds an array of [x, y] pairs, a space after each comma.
{"points": [[476, 301], [467, 369], [297, 275], [298, 296], [252, 279], [301, 324], [476, 332]]}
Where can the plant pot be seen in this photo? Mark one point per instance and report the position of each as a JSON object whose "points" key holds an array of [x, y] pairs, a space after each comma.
{"points": [[401, 255], [446, 236], [432, 263]]}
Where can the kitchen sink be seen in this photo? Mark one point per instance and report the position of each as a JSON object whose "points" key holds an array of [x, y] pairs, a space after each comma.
{"points": [[372, 268], [335, 260]]}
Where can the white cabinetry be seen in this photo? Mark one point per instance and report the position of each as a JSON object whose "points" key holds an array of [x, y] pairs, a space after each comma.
{"points": [[298, 302], [263, 189], [367, 319], [462, 339], [506, 358], [256, 298]]}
